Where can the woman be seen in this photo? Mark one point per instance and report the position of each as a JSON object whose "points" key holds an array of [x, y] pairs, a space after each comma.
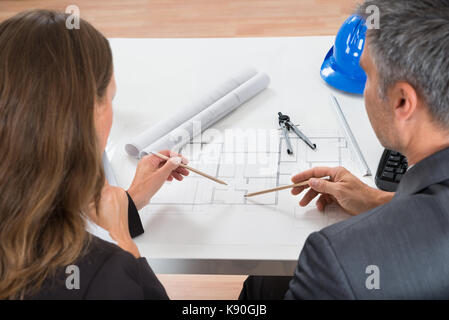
{"points": [[56, 91]]}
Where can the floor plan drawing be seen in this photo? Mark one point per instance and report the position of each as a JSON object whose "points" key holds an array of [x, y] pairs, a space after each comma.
{"points": [[250, 171], [197, 211]]}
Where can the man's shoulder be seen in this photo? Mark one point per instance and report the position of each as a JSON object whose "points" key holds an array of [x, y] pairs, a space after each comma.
{"points": [[404, 239], [398, 213]]}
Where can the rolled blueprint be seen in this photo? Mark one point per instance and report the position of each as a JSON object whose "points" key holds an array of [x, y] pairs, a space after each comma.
{"points": [[203, 120], [135, 147]]}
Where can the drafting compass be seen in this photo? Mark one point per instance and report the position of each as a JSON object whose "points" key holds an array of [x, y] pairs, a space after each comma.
{"points": [[286, 125]]}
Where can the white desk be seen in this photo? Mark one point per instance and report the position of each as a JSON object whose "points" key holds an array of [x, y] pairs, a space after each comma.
{"points": [[158, 76]]}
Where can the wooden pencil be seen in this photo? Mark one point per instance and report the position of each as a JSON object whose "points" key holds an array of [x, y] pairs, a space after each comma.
{"points": [[301, 184], [192, 169]]}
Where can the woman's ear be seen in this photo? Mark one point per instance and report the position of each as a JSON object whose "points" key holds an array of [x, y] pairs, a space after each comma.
{"points": [[103, 114]]}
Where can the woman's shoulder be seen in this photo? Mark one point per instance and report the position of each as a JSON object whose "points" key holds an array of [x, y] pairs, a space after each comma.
{"points": [[104, 271], [98, 251]]}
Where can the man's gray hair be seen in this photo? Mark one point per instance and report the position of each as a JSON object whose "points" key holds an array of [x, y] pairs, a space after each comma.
{"points": [[412, 45]]}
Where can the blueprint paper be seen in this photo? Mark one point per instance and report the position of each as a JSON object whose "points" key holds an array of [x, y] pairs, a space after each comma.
{"points": [[203, 120], [200, 212], [135, 147]]}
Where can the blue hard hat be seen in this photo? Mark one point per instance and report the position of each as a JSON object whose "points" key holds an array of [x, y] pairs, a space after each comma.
{"points": [[341, 68]]}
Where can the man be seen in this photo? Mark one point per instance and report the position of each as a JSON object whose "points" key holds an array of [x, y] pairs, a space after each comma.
{"points": [[397, 245]]}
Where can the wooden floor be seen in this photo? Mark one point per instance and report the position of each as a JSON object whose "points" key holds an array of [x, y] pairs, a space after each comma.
{"points": [[201, 287], [201, 18]]}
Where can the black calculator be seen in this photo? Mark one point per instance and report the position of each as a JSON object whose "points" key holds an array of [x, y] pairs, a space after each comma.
{"points": [[392, 167]]}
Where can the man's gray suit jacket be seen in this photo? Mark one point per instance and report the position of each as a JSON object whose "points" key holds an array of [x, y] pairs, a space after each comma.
{"points": [[399, 250]]}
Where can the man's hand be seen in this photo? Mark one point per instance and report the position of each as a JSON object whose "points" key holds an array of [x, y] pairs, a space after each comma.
{"points": [[151, 174], [112, 215], [342, 188]]}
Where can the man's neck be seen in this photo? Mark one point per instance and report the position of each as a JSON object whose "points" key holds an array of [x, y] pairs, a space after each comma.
{"points": [[422, 146]]}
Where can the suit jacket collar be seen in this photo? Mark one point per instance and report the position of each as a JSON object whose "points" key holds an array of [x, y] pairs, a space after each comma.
{"points": [[431, 170]]}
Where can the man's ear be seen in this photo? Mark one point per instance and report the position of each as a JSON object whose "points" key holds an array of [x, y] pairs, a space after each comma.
{"points": [[403, 100]]}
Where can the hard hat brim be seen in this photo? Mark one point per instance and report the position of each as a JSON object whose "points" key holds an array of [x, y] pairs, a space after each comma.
{"points": [[337, 79]]}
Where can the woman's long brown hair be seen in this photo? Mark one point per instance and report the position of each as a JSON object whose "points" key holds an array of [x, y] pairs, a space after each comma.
{"points": [[50, 162]]}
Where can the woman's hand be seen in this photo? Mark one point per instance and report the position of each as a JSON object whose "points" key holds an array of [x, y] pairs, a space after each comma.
{"points": [[343, 188], [112, 215], [151, 174]]}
